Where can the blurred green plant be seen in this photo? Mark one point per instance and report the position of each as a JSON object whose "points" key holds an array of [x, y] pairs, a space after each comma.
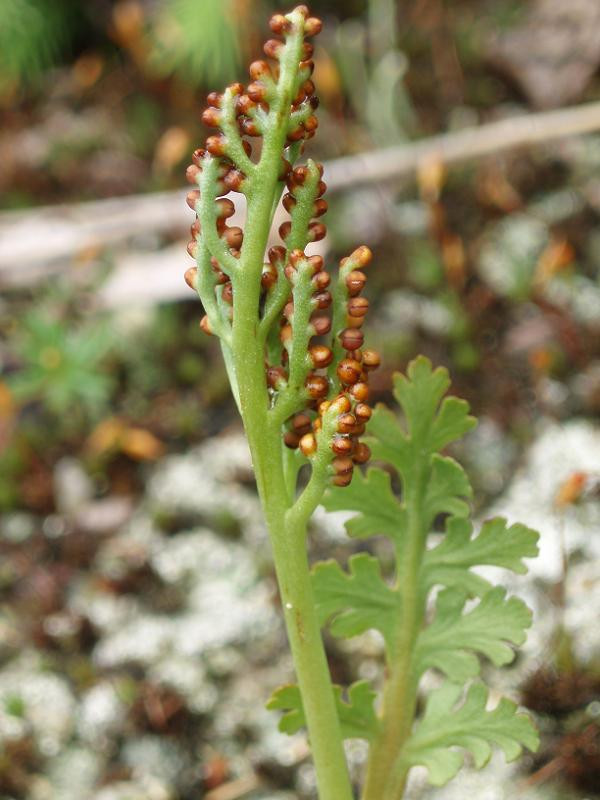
{"points": [[426, 273], [147, 358], [173, 37], [60, 366], [425, 268], [33, 34], [198, 47], [373, 69], [510, 254]]}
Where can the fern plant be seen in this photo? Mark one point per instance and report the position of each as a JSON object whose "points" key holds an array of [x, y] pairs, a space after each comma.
{"points": [[300, 379]]}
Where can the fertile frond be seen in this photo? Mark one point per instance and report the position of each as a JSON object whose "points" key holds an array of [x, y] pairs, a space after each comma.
{"points": [[304, 377]]}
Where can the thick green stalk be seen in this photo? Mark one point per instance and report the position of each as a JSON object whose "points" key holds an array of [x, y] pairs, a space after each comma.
{"points": [[312, 670], [289, 550], [400, 693]]}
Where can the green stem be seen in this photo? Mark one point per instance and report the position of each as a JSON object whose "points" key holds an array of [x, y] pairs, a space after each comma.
{"points": [[276, 300], [299, 363], [230, 369], [292, 462], [205, 287], [207, 214], [300, 218], [234, 147], [288, 538], [312, 670], [320, 472], [287, 405], [383, 782]]}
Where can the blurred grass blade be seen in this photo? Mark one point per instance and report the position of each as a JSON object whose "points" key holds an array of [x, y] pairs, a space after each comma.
{"points": [[197, 39]]}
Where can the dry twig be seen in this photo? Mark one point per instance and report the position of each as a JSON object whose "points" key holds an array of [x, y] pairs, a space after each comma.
{"points": [[63, 231]]}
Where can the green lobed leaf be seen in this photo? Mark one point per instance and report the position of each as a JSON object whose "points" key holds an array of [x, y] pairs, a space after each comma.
{"points": [[356, 714], [459, 633], [430, 420], [451, 641], [469, 726], [372, 496], [432, 423], [387, 440], [287, 698], [356, 600], [451, 423], [497, 544], [447, 485], [419, 393]]}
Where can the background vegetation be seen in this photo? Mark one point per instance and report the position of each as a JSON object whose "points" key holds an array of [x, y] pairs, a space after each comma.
{"points": [[490, 267]]}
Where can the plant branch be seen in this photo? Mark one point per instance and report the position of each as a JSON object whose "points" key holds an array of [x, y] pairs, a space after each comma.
{"points": [[311, 496], [287, 405], [207, 214], [233, 141], [205, 287], [274, 304], [297, 239]]}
